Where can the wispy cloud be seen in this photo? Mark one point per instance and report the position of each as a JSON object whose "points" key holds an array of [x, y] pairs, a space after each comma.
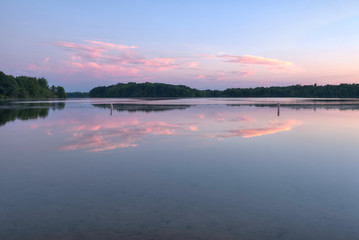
{"points": [[193, 128], [226, 76], [199, 76], [273, 65], [219, 76], [107, 60], [244, 73], [111, 45], [270, 63], [103, 59], [255, 60], [193, 65]]}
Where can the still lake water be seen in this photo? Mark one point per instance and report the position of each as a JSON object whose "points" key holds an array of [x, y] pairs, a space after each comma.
{"points": [[179, 169]]}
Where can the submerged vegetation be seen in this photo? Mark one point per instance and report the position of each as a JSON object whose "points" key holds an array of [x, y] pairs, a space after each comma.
{"points": [[133, 90], [28, 87]]}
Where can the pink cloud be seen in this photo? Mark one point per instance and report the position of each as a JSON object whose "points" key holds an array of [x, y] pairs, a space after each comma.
{"points": [[220, 76], [193, 65], [107, 59], [159, 64], [193, 128], [248, 59], [272, 64], [88, 51], [244, 73], [225, 76], [111, 45], [200, 76], [207, 56], [76, 58], [98, 70], [33, 67]]}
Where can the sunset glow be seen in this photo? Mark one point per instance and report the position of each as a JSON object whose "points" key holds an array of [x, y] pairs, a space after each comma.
{"points": [[187, 43]]}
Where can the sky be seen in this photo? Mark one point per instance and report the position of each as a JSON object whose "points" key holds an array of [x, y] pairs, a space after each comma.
{"points": [[202, 44]]}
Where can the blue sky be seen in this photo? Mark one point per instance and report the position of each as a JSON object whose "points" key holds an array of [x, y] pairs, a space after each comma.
{"points": [[203, 44]]}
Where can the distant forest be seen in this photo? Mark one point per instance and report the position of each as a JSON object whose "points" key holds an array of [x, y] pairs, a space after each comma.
{"points": [[28, 87], [137, 90], [78, 95]]}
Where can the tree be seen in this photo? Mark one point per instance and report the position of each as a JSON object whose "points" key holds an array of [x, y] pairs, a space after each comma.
{"points": [[42, 82], [8, 86], [61, 92], [27, 87]]}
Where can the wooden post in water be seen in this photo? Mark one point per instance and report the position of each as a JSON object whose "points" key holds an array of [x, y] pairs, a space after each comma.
{"points": [[278, 112], [111, 109]]}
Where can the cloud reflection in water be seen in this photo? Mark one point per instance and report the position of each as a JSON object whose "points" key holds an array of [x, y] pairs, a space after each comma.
{"points": [[274, 127], [124, 129], [115, 134]]}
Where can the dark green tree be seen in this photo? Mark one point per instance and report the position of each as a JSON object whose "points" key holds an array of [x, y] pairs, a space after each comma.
{"points": [[27, 87], [61, 92]]}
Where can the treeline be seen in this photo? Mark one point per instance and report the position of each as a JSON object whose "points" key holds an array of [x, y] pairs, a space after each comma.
{"points": [[78, 95], [28, 87], [133, 90], [312, 91]]}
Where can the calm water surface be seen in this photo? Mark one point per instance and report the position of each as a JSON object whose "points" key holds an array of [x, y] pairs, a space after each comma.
{"points": [[179, 169]]}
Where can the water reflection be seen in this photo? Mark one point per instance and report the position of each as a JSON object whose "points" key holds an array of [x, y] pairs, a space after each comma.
{"points": [[131, 126], [269, 128], [97, 132], [134, 124], [310, 105], [141, 107], [119, 133], [25, 111], [180, 171], [278, 111]]}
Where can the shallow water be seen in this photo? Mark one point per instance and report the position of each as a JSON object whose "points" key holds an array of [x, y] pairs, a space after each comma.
{"points": [[179, 169]]}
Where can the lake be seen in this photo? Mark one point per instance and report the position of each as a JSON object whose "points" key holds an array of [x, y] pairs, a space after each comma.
{"points": [[180, 169]]}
